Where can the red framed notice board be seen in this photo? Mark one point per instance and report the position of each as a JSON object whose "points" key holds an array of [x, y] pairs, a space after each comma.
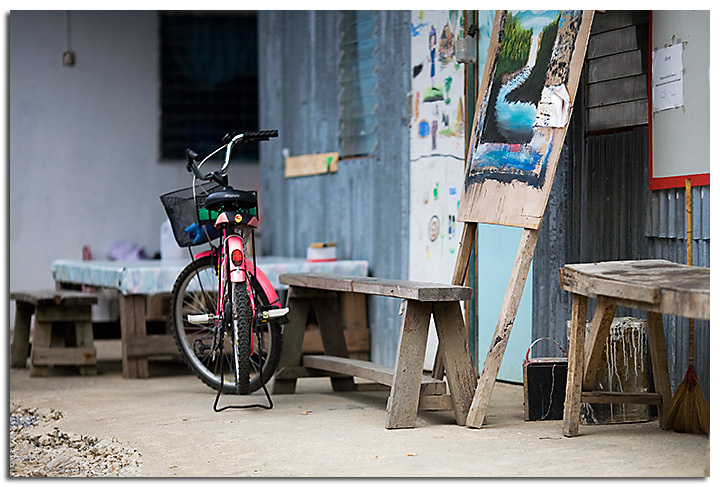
{"points": [[679, 98]]}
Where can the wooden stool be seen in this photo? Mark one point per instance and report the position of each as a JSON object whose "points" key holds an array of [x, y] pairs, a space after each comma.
{"points": [[68, 342]]}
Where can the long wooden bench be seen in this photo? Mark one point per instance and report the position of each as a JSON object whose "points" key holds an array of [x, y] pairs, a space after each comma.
{"points": [[410, 389]]}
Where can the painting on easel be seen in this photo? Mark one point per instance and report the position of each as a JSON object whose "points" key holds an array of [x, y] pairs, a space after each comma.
{"points": [[524, 105]]}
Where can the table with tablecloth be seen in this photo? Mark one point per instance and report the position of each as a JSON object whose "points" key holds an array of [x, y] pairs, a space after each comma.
{"points": [[136, 281]]}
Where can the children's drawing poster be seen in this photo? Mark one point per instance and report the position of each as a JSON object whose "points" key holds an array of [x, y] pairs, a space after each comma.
{"points": [[437, 144], [438, 85], [524, 104]]}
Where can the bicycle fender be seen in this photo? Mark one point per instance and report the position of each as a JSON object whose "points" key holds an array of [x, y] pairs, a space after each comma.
{"points": [[262, 279], [203, 254], [265, 284], [237, 273]]}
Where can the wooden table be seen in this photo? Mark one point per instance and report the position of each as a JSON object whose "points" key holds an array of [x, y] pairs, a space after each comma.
{"points": [[136, 281], [410, 389], [656, 286]]}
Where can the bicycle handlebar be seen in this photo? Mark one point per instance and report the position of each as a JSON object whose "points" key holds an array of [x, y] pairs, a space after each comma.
{"points": [[229, 141]]}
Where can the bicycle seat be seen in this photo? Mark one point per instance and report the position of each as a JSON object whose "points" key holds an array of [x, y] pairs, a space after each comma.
{"points": [[231, 198]]}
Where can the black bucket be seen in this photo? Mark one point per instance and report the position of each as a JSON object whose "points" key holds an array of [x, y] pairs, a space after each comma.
{"points": [[544, 381]]}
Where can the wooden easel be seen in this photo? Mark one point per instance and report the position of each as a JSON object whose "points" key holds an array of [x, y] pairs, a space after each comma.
{"points": [[487, 203]]}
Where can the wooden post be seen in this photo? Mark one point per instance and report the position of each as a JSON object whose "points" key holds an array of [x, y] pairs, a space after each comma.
{"points": [[485, 385], [573, 394]]}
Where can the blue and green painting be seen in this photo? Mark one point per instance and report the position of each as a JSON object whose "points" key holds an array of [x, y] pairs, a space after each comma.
{"points": [[535, 49]]}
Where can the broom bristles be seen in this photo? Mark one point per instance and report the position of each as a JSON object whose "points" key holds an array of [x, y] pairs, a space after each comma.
{"points": [[689, 411]]}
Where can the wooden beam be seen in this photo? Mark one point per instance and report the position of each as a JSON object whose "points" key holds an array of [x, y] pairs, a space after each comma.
{"points": [[597, 397], [394, 288], [486, 382], [310, 164], [150, 345], [595, 343], [382, 374]]}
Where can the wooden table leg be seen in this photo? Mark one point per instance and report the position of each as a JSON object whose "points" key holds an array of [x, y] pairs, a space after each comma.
{"points": [[133, 324], [658, 357], [405, 390], [455, 353], [573, 392]]}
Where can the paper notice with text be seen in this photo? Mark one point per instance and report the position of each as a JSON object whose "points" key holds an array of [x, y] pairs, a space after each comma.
{"points": [[667, 76]]}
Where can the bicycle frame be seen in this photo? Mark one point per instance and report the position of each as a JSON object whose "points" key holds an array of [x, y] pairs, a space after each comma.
{"points": [[247, 267]]}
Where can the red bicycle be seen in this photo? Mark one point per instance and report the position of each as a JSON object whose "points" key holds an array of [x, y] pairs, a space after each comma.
{"points": [[225, 314]]}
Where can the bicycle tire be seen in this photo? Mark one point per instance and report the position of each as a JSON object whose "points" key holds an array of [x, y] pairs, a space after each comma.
{"points": [[241, 326], [195, 292]]}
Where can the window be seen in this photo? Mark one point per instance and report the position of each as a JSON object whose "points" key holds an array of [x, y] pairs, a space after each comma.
{"points": [[209, 81], [358, 83]]}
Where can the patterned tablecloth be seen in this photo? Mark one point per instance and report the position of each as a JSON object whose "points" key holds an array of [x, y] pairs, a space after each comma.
{"points": [[158, 276]]}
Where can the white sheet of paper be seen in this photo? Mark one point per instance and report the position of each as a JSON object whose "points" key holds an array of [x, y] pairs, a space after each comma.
{"points": [[554, 107], [667, 74]]}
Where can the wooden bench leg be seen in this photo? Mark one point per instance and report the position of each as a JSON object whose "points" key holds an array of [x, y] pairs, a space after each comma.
{"points": [[405, 391], [133, 324], [291, 356], [658, 357], [573, 392], [21, 335], [42, 334], [327, 311], [455, 353], [84, 339]]}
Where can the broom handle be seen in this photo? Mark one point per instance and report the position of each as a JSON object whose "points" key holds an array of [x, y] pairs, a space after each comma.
{"points": [[688, 219]]}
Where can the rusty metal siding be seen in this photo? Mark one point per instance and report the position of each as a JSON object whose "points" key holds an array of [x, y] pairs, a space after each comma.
{"points": [[364, 206]]}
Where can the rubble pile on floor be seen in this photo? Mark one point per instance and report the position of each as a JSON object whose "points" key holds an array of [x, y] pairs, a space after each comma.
{"points": [[40, 449]]}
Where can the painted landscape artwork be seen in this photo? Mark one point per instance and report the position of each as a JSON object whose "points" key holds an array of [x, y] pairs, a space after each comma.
{"points": [[525, 101]]}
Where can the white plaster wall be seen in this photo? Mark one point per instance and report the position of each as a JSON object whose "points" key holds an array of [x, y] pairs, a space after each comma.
{"points": [[83, 140]]}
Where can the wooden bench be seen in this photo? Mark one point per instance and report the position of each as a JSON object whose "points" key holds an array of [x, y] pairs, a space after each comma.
{"points": [[656, 286], [62, 334], [410, 389]]}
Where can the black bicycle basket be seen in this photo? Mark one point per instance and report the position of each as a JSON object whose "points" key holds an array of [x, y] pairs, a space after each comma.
{"points": [[183, 209]]}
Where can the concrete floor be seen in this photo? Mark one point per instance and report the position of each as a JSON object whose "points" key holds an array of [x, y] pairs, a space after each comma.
{"points": [[169, 419]]}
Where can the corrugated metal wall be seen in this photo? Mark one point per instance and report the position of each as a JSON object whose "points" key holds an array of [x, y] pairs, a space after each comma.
{"points": [[364, 207], [600, 208]]}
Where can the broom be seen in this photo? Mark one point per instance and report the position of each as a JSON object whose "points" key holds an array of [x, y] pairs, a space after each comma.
{"points": [[689, 411]]}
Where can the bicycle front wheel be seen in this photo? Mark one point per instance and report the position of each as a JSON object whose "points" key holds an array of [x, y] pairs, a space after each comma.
{"points": [[195, 293]]}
